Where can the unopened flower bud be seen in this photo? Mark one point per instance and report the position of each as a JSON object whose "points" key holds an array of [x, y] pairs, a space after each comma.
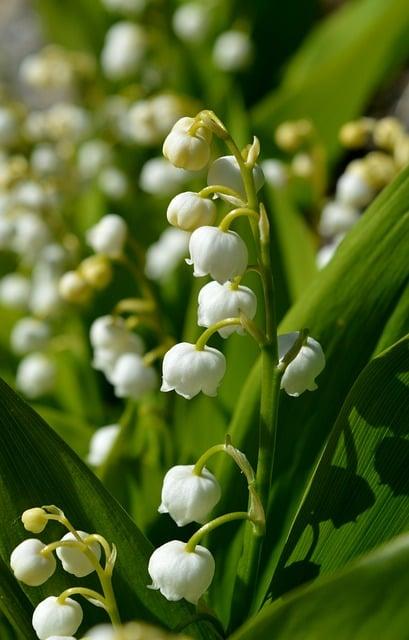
{"points": [[187, 150], [52, 617], [222, 254], [131, 377], [108, 236], [189, 211], [354, 135], [29, 565], [220, 301], [34, 520], [191, 22], [337, 217], [178, 573], [74, 288], [163, 256], [15, 291], [226, 171], [29, 334], [275, 172], [290, 136], [35, 375], [387, 133], [302, 165], [301, 372], [188, 370], [187, 496], [232, 51], [160, 178], [101, 444], [74, 560], [97, 271], [123, 51], [354, 190]]}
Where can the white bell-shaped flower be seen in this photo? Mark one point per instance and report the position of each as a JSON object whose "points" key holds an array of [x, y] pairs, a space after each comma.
{"points": [[221, 254], [178, 573], [132, 378], [189, 211], [353, 190], [105, 359], [102, 632], [188, 497], [220, 301], [186, 150], [35, 375], [232, 51], [113, 183], [52, 617], [61, 638], [101, 444], [93, 155], [337, 217], [74, 560], [45, 300], [163, 256], [31, 234], [123, 51], [300, 374], [108, 332], [29, 565], [160, 178], [190, 22], [108, 236], [225, 171], [188, 370], [29, 334], [15, 291]]}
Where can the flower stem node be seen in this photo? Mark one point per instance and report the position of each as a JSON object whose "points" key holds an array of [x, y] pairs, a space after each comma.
{"points": [[53, 617], [189, 370], [220, 301], [29, 565], [221, 254], [226, 171], [188, 496], [108, 236], [178, 573], [73, 558], [299, 372], [188, 146], [34, 520], [189, 211]]}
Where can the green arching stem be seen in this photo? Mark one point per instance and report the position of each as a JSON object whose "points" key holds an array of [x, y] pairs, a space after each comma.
{"points": [[81, 591], [236, 213], [198, 468], [219, 188], [206, 335], [104, 578], [213, 524]]}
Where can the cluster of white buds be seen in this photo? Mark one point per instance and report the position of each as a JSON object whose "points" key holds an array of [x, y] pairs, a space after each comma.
{"points": [[148, 121], [63, 121], [158, 177], [33, 563], [224, 305], [118, 354], [363, 178]]}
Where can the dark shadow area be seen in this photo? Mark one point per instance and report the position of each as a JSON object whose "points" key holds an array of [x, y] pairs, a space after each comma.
{"points": [[392, 464]]}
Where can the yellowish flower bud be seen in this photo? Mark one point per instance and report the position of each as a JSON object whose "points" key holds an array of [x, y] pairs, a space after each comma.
{"points": [[387, 133], [34, 520], [381, 169], [356, 134], [74, 288], [290, 136], [97, 271]]}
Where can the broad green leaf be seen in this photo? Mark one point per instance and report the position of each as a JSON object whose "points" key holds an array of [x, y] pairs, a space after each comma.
{"points": [[359, 495], [14, 606], [346, 309], [335, 73], [72, 429], [37, 468], [366, 600]]}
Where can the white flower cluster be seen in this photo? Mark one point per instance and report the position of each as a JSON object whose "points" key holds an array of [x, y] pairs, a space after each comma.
{"points": [[118, 354], [33, 563]]}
